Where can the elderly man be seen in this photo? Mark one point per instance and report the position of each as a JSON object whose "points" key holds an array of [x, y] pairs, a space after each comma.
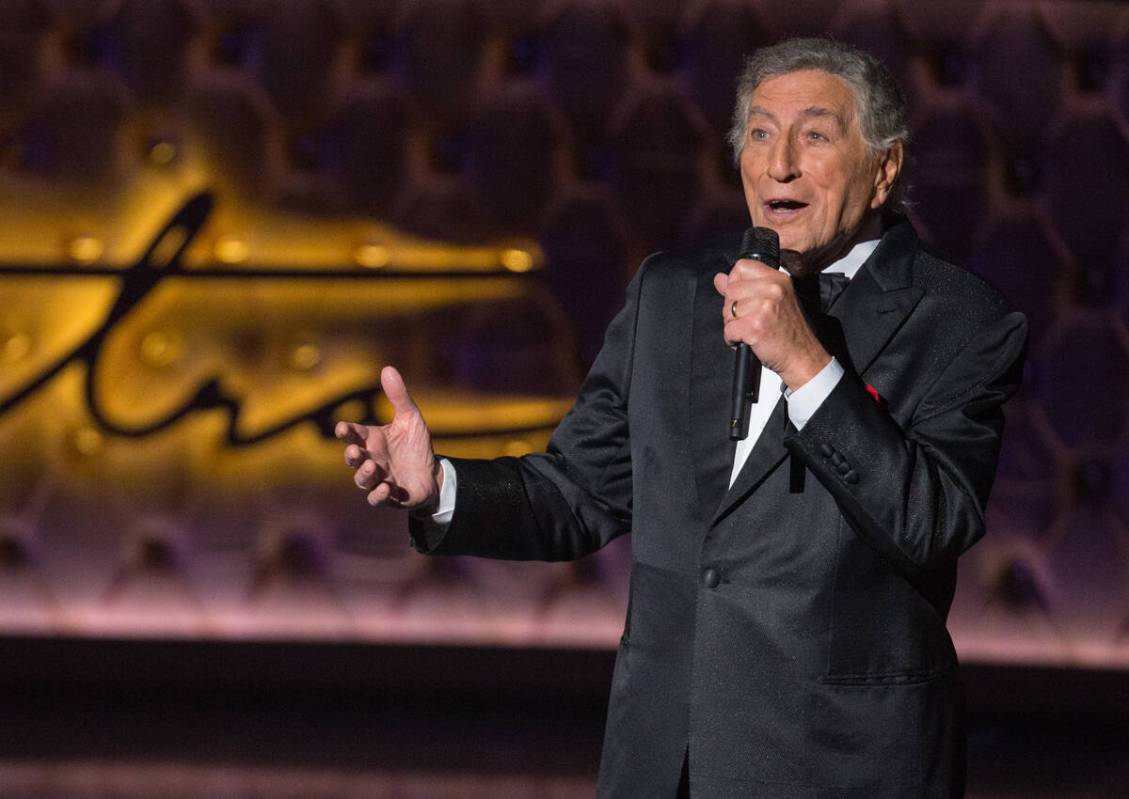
{"points": [[785, 635]]}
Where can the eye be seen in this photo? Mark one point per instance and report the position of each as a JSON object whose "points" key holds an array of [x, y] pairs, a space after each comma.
{"points": [[758, 134], [816, 135]]}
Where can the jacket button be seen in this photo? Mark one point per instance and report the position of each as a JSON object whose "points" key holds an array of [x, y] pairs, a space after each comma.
{"points": [[825, 450], [851, 477], [710, 578]]}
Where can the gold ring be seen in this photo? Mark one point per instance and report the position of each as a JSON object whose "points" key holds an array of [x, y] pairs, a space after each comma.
{"points": [[733, 309]]}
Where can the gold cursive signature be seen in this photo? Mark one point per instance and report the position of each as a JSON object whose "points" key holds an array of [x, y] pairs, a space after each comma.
{"points": [[161, 260]]}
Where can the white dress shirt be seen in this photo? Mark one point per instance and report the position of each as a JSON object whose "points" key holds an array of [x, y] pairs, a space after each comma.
{"points": [[802, 403]]}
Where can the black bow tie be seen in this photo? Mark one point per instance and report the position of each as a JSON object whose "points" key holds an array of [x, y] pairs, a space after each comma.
{"points": [[819, 295], [831, 285]]}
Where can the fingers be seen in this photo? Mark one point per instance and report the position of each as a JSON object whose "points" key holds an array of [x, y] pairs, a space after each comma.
{"points": [[380, 495], [396, 391], [369, 474], [391, 461], [376, 481], [387, 494], [355, 455], [351, 432], [366, 453], [756, 302], [748, 279], [720, 282], [356, 435], [751, 269], [744, 269], [757, 298]]}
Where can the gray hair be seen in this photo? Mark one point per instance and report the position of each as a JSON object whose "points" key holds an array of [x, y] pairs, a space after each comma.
{"points": [[881, 104]]}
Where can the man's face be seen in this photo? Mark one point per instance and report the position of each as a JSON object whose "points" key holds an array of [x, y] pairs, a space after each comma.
{"points": [[805, 167]]}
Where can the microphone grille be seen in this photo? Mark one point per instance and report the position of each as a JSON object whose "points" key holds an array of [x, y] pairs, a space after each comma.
{"points": [[761, 243]]}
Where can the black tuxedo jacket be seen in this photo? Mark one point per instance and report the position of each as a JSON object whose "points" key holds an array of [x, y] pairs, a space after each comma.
{"points": [[788, 632]]}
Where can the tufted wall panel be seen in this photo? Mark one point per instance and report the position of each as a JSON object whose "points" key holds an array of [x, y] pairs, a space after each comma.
{"points": [[539, 149]]}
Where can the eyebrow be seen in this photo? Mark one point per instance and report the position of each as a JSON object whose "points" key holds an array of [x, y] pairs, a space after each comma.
{"points": [[811, 111]]}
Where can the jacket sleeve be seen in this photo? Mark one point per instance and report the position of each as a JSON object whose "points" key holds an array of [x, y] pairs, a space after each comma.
{"points": [[917, 494], [568, 501]]}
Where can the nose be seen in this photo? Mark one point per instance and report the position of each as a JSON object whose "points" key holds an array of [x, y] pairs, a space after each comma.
{"points": [[782, 165]]}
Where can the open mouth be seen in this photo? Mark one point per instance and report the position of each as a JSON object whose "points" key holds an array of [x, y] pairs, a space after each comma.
{"points": [[785, 205]]}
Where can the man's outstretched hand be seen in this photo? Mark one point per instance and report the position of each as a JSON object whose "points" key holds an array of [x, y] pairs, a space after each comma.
{"points": [[394, 463]]}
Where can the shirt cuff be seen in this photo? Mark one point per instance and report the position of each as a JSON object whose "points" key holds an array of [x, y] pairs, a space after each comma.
{"points": [[805, 401], [434, 525], [442, 517]]}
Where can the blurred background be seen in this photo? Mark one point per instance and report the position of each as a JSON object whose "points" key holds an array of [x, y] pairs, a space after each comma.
{"points": [[220, 218]]}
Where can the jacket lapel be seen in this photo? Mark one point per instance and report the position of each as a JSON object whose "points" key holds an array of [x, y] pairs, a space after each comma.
{"points": [[767, 454], [878, 299], [711, 380]]}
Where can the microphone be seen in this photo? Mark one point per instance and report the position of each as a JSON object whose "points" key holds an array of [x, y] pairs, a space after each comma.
{"points": [[761, 244]]}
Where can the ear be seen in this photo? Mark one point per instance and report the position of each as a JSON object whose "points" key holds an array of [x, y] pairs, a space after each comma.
{"points": [[886, 174]]}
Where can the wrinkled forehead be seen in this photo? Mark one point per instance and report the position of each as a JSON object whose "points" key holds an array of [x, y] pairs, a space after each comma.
{"points": [[806, 93]]}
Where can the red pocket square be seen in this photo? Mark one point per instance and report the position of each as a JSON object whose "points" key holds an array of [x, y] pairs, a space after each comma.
{"points": [[873, 392]]}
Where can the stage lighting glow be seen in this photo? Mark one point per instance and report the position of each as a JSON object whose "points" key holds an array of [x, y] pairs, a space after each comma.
{"points": [[162, 153], [517, 260], [372, 256], [161, 348], [87, 441], [517, 447], [305, 357], [85, 249], [231, 250], [15, 348]]}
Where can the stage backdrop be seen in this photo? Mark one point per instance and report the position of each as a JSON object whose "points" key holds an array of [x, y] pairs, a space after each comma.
{"points": [[218, 220]]}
